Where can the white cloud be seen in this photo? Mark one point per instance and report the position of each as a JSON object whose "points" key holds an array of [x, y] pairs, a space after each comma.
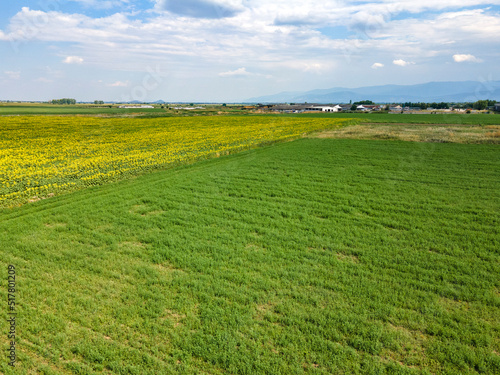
{"points": [[102, 4], [367, 23], [316, 67], [201, 8], [43, 80], [123, 43], [13, 74], [401, 62], [118, 84], [73, 60], [238, 72], [291, 40], [304, 65], [466, 58]]}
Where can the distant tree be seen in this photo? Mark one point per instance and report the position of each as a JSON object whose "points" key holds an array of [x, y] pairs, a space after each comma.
{"points": [[441, 105], [480, 104], [98, 102], [367, 102], [63, 101], [354, 107], [224, 104]]}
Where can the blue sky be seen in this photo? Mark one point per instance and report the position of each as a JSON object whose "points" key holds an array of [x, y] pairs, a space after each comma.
{"points": [[230, 50]]}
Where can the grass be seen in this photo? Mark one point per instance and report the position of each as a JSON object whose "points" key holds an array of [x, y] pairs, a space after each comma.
{"points": [[318, 256], [10, 109], [397, 118], [52, 109], [419, 133]]}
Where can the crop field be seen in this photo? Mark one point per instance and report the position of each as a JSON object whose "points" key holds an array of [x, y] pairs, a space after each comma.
{"points": [[54, 109], [419, 133], [481, 119], [14, 109], [41, 156], [318, 256]]}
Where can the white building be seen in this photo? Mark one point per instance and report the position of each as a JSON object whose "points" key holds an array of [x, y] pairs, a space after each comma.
{"points": [[324, 108], [136, 106], [336, 108]]}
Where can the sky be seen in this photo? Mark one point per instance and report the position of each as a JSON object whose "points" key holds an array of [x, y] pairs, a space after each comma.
{"points": [[231, 50]]}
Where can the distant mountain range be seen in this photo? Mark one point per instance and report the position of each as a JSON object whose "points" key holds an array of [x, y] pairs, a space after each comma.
{"points": [[465, 91]]}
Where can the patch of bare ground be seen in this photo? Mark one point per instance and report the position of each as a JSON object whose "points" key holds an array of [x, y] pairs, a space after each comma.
{"points": [[37, 198], [254, 247], [411, 350], [131, 244], [55, 225], [168, 268], [347, 257], [37, 362], [263, 309], [439, 133], [173, 317], [144, 210]]}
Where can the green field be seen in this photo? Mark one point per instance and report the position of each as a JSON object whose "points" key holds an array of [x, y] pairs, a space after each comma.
{"points": [[50, 109], [382, 117], [11, 109], [318, 256], [425, 118]]}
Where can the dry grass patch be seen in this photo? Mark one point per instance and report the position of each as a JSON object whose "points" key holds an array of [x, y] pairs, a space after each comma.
{"points": [[263, 309], [173, 317], [347, 257], [168, 268], [418, 133], [254, 247], [144, 210], [411, 352], [131, 245], [55, 225]]}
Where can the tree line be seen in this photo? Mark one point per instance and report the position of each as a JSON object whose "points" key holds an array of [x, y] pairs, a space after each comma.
{"points": [[63, 101]]}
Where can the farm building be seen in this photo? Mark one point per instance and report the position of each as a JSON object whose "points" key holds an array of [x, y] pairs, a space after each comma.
{"points": [[289, 108], [397, 108], [335, 108], [373, 107], [361, 108], [324, 108], [305, 107], [136, 106], [497, 107]]}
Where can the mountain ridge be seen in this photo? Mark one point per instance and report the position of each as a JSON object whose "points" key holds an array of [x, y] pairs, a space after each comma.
{"points": [[451, 91]]}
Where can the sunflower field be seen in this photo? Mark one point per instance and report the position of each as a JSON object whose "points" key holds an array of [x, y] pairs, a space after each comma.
{"points": [[41, 156]]}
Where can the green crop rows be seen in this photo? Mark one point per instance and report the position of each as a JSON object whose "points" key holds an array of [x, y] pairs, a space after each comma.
{"points": [[317, 256]]}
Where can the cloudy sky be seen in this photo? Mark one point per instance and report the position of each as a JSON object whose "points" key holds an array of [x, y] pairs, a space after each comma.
{"points": [[230, 50]]}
